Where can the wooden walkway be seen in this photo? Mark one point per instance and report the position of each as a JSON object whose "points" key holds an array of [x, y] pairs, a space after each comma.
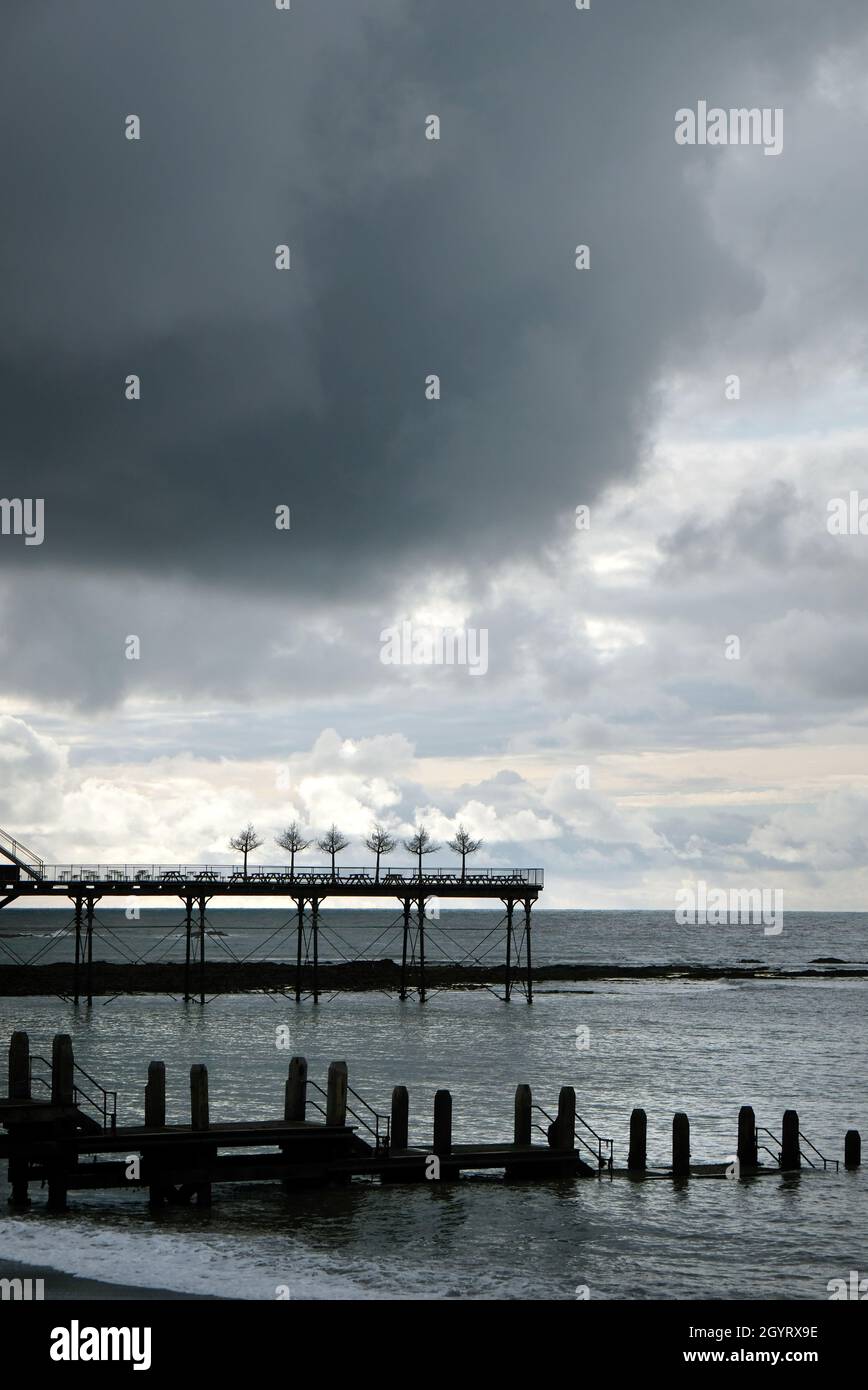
{"points": [[67, 1138]]}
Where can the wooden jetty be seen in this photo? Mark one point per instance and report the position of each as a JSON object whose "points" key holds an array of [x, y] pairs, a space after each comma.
{"points": [[26, 878], [60, 1129]]}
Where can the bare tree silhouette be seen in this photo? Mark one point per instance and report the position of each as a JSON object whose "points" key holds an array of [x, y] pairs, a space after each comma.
{"points": [[244, 842], [292, 840], [463, 844], [379, 842], [419, 844], [332, 843]]}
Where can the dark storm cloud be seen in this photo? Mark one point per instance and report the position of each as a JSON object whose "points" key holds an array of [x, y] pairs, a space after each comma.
{"points": [[409, 257]]}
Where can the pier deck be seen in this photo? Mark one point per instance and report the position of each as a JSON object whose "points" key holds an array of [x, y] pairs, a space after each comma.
{"points": [[408, 936]]}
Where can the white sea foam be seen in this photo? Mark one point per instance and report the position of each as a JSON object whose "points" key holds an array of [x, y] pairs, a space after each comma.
{"points": [[221, 1267]]}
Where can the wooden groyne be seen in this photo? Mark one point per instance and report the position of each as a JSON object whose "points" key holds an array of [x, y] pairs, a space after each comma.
{"points": [[60, 1130]]}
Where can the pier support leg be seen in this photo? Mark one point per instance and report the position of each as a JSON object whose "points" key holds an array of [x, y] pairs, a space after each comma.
{"points": [[202, 903], [299, 902], [76, 978], [421, 912], [402, 993], [57, 1189], [314, 917], [189, 948], [791, 1156], [637, 1155], [680, 1145], [527, 907], [89, 942], [18, 1199], [509, 911]]}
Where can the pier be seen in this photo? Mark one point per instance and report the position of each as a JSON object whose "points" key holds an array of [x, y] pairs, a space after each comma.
{"points": [[410, 933], [60, 1130]]}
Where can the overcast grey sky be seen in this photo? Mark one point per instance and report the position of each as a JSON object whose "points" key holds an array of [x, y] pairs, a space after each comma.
{"points": [[260, 691]]}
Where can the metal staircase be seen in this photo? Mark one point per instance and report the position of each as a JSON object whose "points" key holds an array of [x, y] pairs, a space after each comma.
{"points": [[95, 1108], [21, 855]]}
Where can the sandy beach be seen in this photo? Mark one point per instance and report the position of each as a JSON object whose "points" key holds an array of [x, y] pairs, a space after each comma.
{"points": [[60, 1287]]}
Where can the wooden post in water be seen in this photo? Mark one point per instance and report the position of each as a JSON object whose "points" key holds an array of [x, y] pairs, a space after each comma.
{"points": [[155, 1118], [199, 1118], [852, 1149], [523, 1115], [565, 1125], [680, 1145], [791, 1156], [443, 1124], [336, 1095], [747, 1146], [400, 1124], [62, 1070], [637, 1155], [19, 1089], [155, 1096], [19, 1067], [295, 1091], [62, 1094]]}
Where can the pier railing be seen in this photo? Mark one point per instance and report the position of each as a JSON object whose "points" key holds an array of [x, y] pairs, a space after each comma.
{"points": [[777, 1152], [105, 1107], [604, 1159], [379, 1127], [305, 877]]}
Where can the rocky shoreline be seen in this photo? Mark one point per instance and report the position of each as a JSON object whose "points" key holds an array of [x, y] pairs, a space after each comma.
{"points": [[236, 977]]}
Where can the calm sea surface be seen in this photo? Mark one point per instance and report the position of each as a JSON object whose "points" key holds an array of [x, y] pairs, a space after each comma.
{"points": [[706, 1048]]}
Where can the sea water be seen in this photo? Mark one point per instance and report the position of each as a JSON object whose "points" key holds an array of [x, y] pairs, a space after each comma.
{"points": [[666, 1045]]}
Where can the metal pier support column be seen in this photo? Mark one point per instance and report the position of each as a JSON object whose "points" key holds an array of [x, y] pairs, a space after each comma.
{"points": [[509, 910], [314, 911], [89, 944], [299, 902], [527, 907], [76, 979], [202, 902], [422, 950], [188, 954], [402, 993]]}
